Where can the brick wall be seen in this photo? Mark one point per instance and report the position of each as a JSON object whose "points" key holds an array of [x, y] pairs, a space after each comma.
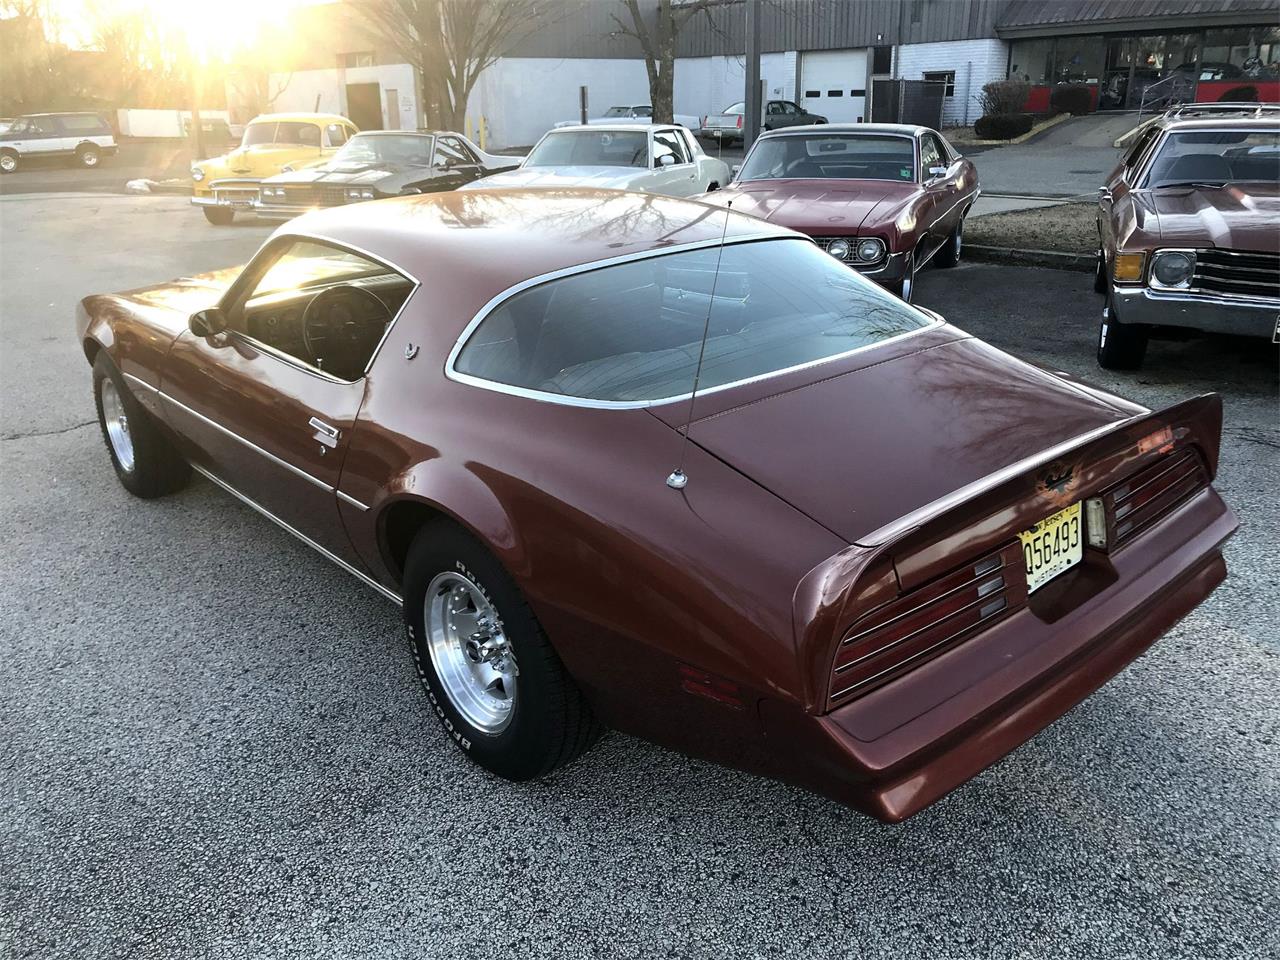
{"points": [[975, 62]]}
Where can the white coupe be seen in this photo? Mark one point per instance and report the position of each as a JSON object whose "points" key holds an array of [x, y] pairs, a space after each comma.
{"points": [[649, 158]]}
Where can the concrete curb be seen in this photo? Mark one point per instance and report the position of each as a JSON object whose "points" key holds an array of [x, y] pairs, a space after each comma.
{"points": [[1057, 260]]}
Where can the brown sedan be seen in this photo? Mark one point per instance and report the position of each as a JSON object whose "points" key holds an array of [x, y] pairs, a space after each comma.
{"points": [[885, 198], [871, 555]]}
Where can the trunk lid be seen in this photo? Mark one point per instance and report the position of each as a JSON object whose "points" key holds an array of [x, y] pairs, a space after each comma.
{"points": [[857, 451]]}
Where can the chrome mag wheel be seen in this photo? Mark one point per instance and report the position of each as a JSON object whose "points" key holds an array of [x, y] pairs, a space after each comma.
{"points": [[470, 652], [117, 424], [8, 163]]}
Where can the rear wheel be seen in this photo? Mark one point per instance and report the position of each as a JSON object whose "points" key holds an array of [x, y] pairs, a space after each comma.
{"points": [[489, 671], [219, 216], [1121, 346], [146, 463], [8, 161], [88, 155]]}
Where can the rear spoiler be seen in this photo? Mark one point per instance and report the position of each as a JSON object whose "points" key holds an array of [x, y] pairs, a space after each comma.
{"points": [[982, 517]]}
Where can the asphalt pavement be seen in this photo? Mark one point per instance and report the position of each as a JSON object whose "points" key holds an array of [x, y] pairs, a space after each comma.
{"points": [[213, 743], [1067, 160], [136, 160]]}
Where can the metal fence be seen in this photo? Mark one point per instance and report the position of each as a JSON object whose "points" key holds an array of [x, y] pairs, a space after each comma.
{"points": [[907, 101]]}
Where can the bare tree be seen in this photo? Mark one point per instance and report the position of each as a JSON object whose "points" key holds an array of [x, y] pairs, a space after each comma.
{"points": [[657, 27], [450, 43]]}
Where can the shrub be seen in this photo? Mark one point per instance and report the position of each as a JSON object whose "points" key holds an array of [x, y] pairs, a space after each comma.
{"points": [[1004, 96], [1246, 94], [1003, 126], [1073, 98]]}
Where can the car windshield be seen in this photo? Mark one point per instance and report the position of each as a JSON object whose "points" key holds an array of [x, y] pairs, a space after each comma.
{"points": [[256, 134], [856, 156], [618, 112], [632, 331], [293, 134], [385, 148], [1216, 157], [591, 148]]}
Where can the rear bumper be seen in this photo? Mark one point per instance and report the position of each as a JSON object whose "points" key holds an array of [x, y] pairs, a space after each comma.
{"points": [[1243, 317], [720, 133], [902, 747]]}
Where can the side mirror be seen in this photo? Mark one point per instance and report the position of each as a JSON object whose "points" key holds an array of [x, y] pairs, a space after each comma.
{"points": [[667, 160], [207, 323]]}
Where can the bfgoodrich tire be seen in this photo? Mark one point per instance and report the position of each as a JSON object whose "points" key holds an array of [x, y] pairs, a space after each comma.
{"points": [[146, 463], [1121, 346], [491, 675]]}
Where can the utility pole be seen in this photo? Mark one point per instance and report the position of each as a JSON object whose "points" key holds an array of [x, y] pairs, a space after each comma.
{"points": [[754, 104]]}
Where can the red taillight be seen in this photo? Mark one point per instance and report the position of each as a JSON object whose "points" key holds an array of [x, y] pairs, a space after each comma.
{"points": [[902, 633], [704, 121], [739, 121], [1149, 494]]}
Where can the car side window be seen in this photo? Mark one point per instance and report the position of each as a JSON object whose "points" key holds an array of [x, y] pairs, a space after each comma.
{"points": [[84, 124], [775, 108], [449, 153], [930, 156], [336, 134], [40, 126], [790, 108], [460, 148], [668, 143], [321, 305], [1139, 149]]}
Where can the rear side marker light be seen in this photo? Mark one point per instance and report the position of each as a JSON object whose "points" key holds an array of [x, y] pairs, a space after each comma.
{"points": [[1095, 522], [700, 683]]}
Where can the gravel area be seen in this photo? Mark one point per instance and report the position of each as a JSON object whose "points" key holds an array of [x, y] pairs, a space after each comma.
{"points": [[213, 744], [1068, 228]]}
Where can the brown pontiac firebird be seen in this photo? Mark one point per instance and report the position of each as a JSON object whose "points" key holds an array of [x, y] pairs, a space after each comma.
{"points": [[871, 556]]}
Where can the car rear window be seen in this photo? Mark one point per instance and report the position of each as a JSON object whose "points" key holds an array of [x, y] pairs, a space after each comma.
{"points": [[632, 331], [84, 123], [831, 156]]}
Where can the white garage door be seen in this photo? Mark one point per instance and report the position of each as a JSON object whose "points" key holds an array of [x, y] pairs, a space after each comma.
{"points": [[832, 84]]}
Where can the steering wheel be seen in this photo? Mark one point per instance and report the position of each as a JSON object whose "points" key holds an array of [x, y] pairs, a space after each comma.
{"points": [[342, 325]]}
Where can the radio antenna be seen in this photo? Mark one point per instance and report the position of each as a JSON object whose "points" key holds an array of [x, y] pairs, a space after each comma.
{"points": [[677, 479]]}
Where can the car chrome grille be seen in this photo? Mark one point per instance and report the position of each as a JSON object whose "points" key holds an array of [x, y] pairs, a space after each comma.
{"points": [[1237, 273], [313, 195], [918, 626], [1139, 501]]}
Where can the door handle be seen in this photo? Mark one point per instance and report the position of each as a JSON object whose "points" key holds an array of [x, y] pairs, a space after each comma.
{"points": [[325, 433]]}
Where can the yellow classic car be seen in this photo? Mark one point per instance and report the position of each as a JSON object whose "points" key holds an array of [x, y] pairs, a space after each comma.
{"points": [[222, 185]]}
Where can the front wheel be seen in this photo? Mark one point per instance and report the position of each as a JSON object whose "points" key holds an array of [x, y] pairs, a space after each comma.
{"points": [[1100, 273], [905, 288], [219, 216], [490, 673], [88, 156], [949, 255], [8, 161], [1121, 346], [145, 461]]}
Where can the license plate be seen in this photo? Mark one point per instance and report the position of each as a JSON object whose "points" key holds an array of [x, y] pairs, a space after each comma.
{"points": [[1052, 546]]}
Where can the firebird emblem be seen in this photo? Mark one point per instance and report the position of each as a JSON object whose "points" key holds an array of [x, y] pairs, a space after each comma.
{"points": [[1055, 482]]}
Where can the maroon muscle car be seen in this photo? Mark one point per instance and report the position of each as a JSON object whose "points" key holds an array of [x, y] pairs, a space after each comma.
{"points": [[884, 198], [1189, 231], [871, 554]]}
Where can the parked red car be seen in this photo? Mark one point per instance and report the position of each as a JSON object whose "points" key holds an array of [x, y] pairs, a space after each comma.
{"points": [[871, 556], [1189, 231], [884, 198]]}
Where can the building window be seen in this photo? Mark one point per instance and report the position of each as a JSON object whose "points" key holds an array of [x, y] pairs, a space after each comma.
{"points": [[358, 58], [942, 76]]}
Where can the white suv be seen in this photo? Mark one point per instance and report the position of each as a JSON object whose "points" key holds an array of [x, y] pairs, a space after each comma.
{"points": [[85, 137]]}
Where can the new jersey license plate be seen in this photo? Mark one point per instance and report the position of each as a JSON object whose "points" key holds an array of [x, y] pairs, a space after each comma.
{"points": [[1052, 546]]}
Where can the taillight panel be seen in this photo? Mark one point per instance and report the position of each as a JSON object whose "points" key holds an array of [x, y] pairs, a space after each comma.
{"points": [[1143, 498], [923, 623]]}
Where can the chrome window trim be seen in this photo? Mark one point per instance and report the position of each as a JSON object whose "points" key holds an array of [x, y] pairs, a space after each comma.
{"points": [[358, 574], [331, 242], [298, 471], [346, 497], [452, 373]]}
